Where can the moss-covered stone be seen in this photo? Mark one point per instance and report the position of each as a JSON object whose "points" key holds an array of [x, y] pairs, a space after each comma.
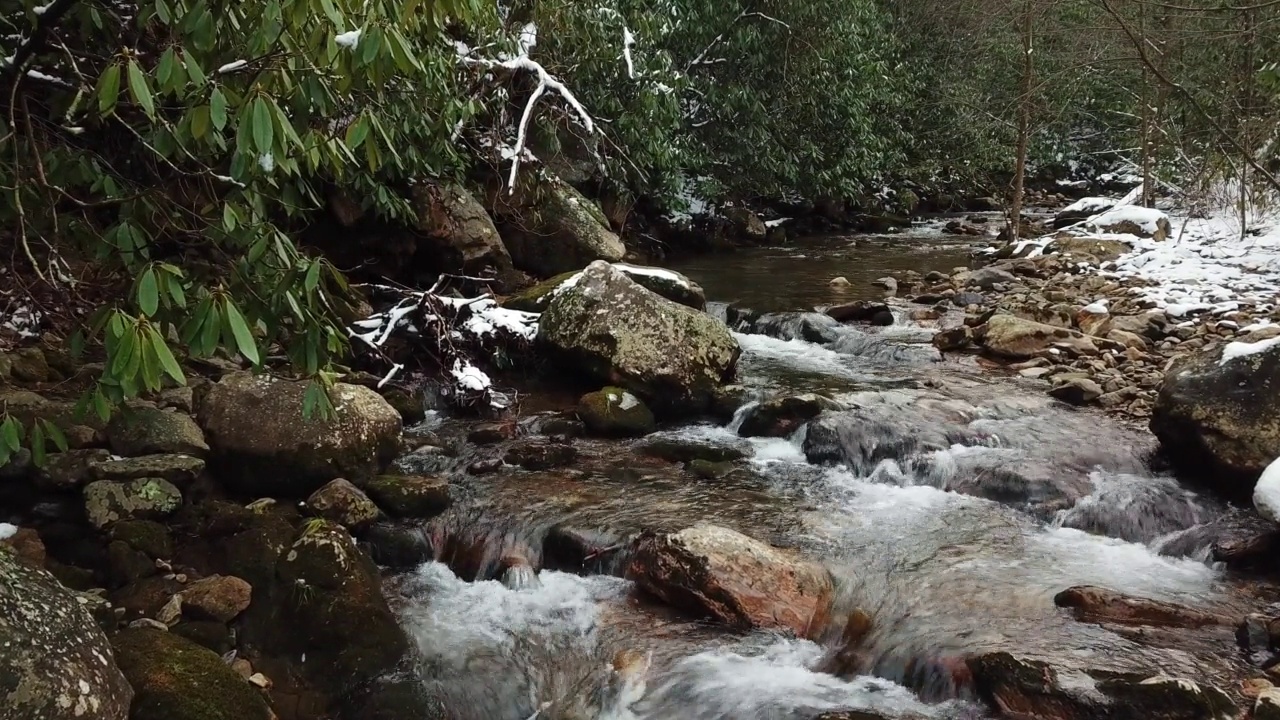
{"points": [[126, 565], [177, 469], [410, 496], [176, 679], [145, 536], [609, 328], [263, 444], [29, 365], [550, 228], [55, 663], [208, 634], [140, 429], [614, 412], [69, 470], [536, 297], [341, 502], [106, 502]]}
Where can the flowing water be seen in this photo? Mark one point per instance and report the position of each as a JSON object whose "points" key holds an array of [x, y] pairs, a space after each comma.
{"points": [[949, 504]]}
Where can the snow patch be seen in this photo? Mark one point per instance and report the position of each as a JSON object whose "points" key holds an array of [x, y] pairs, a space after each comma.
{"points": [[1266, 494], [349, 39], [1091, 205], [469, 377], [1238, 349], [7, 531], [1146, 219]]}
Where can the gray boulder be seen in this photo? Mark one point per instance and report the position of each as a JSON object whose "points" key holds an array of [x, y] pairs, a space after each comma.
{"points": [[1218, 410], [56, 663], [460, 227], [550, 228], [615, 331], [263, 445]]}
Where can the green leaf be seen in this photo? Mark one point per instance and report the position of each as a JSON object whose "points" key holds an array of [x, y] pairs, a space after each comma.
{"points": [[55, 434], [218, 109], [240, 329], [193, 68], [11, 434], [313, 276], [139, 89], [357, 132], [167, 361], [263, 130], [37, 445], [124, 352], [176, 292], [101, 406], [148, 293], [150, 362], [209, 332], [200, 122], [109, 89]]}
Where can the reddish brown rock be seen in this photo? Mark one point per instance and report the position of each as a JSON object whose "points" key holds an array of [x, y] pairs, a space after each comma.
{"points": [[220, 597], [735, 579], [1102, 605]]}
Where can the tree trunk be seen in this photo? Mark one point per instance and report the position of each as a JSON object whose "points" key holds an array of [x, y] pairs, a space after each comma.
{"points": [[1024, 125]]}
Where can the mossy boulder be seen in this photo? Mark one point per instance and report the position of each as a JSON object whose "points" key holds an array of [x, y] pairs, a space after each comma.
{"points": [[29, 365], [343, 503], [69, 470], [667, 283], [55, 662], [175, 679], [614, 412], [609, 328], [1218, 413], [263, 445], [146, 536], [409, 496], [551, 228], [140, 429], [106, 502], [325, 602]]}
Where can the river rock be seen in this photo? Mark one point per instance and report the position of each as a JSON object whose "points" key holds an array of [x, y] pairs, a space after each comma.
{"points": [[541, 454], [1099, 249], [1076, 391], [1131, 220], [1095, 604], [180, 470], [176, 679], [106, 501], [326, 603], [781, 417], [680, 450], [551, 228], [1024, 688], [56, 663], [608, 327], [29, 365], [146, 536], [464, 234], [1267, 706], [667, 283], [746, 223], [218, 597], [1094, 320], [69, 470], [614, 412], [1219, 410], [341, 502], [140, 429], [734, 578], [857, 311], [409, 496], [1017, 338], [953, 339], [263, 445], [987, 278]]}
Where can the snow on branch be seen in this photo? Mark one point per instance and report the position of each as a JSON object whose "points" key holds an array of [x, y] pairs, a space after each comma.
{"points": [[628, 42], [442, 335], [546, 83]]}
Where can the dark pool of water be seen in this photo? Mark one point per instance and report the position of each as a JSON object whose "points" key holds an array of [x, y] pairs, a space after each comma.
{"points": [[798, 275]]}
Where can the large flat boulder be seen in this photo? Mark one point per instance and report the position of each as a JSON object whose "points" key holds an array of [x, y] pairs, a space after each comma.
{"points": [[1218, 410], [263, 445], [611, 329], [55, 663], [734, 578], [1015, 338]]}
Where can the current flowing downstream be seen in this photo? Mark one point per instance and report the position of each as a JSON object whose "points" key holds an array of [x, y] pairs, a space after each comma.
{"points": [[949, 504]]}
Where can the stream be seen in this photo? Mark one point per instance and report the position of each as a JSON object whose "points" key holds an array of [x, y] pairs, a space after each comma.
{"points": [[950, 503]]}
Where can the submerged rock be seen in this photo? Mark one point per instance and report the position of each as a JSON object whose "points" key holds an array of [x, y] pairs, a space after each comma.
{"points": [[614, 412], [615, 331], [56, 663], [263, 445], [176, 679], [733, 578], [1218, 410], [409, 496], [1102, 605], [681, 450], [781, 417], [541, 454]]}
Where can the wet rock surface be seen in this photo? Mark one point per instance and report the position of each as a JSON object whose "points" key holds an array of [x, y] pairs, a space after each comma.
{"points": [[56, 663]]}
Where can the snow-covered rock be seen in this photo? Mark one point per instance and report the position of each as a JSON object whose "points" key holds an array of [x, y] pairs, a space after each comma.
{"points": [[1266, 493], [1142, 222], [1082, 209], [1218, 411]]}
